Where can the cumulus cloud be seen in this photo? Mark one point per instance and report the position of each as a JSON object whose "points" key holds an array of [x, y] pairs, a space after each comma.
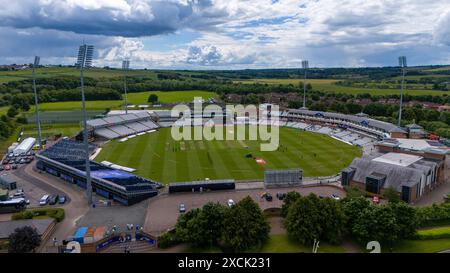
{"points": [[232, 33], [132, 18], [442, 29]]}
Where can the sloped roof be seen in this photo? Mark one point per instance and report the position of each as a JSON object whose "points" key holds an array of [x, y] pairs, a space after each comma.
{"points": [[8, 227], [396, 176]]}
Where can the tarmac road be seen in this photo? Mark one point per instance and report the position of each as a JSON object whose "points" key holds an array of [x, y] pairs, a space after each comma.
{"points": [[162, 212], [74, 210]]}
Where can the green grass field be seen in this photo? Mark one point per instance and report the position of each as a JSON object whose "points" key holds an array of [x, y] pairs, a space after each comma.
{"points": [[422, 246], [159, 157], [48, 72], [329, 86], [48, 130], [280, 243], [287, 81], [133, 98]]}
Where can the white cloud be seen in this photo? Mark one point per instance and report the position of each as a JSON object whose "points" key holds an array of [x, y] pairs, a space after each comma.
{"points": [[236, 33]]}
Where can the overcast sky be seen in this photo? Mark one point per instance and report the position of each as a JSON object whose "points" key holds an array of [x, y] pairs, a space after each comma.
{"points": [[227, 34]]}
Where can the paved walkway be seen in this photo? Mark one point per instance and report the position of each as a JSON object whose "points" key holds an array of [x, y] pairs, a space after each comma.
{"points": [[435, 196], [5, 217]]}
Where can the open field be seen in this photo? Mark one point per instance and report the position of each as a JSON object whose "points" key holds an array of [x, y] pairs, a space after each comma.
{"points": [[61, 117], [287, 81], [30, 130], [329, 86], [159, 157], [48, 72], [50, 130], [133, 98]]}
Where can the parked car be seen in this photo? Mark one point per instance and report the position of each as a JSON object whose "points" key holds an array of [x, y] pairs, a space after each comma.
{"points": [[27, 201], [14, 167], [335, 197], [1, 168], [181, 208], [230, 203], [281, 195], [44, 200], [7, 167], [6, 161], [269, 197], [18, 195], [62, 199], [53, 199]]}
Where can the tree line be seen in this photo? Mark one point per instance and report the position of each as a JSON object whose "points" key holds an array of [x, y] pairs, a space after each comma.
{"points": [[309, 218], [239, 228]]}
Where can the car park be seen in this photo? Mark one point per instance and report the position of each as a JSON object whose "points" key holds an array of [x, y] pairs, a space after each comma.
{"points": [[230, 203], [62, 199], [181, 208]]}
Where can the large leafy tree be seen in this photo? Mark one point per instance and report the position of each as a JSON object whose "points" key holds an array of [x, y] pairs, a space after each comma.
{"points": [[303, 222], [153, 98], [407, 219], [310, 218], [391, 195], [206, 227], [183, 224], [291, 197], [245, 226], [353, 207], [332, 220], [376, 223], [23, 240]]}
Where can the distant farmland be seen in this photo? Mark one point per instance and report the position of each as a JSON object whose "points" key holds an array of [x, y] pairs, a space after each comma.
{"points": [[329, 86], [133, 99]]}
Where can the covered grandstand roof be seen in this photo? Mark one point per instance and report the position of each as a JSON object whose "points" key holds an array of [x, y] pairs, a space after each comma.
{"points": [[385, 126], [115, 126], [421, 145], [116, 119], [71, 153]]}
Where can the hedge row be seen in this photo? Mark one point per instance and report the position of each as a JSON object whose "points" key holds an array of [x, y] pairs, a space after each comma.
{"points": [[55, 213]]}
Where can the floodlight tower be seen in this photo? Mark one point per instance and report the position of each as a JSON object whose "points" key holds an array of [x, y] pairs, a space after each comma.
{"points": [[36, 102], [305, 66], [125, 67], [85, 54], [402, 64]]}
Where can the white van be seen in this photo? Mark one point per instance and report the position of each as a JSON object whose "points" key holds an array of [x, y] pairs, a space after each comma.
{"points": [[44, 200]]}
